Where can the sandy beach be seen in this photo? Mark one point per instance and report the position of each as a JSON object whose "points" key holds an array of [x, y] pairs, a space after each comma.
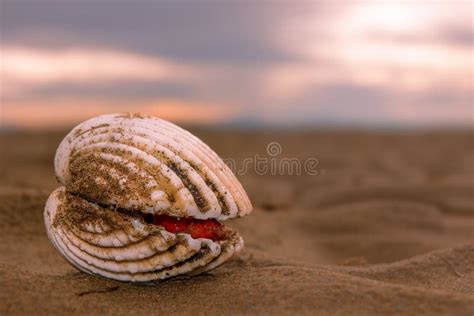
{"points": [[384, 225]]}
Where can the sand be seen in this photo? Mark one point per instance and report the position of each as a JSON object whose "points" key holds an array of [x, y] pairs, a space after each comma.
{"points": [[386, 226]]}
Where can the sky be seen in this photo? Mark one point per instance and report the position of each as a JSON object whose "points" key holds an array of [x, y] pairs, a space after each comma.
{"points": [[372, 64]]}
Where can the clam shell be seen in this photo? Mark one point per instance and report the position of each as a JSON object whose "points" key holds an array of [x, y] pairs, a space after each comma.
{"points": [[112, 169]]}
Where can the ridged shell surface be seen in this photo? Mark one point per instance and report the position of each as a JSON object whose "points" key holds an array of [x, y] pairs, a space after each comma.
{"points": [[114, 169], [148, 164]]}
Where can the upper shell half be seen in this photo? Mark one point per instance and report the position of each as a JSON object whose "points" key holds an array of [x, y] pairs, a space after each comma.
{"points": [[148, 164]]}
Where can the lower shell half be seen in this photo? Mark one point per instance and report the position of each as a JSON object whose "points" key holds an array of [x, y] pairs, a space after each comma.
{"points": [[121, 245]]}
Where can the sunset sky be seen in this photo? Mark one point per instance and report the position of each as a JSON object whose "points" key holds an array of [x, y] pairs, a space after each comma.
{"points": [[341, 63]]}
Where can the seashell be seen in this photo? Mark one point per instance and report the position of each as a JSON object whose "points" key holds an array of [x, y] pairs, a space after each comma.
{"points": [[140, 200]]}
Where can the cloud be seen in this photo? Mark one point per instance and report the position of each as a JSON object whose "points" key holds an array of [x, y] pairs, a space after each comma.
{"points": [[342, 103], [191, 31], [66, 111], [120, 89], [346, 104], [82, 74], [455, 37], [361, 62], [416, 48], [23, 67]]}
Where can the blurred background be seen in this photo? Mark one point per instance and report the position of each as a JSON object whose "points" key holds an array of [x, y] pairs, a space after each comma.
{"points": [[369, 64], [377, 94]]}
